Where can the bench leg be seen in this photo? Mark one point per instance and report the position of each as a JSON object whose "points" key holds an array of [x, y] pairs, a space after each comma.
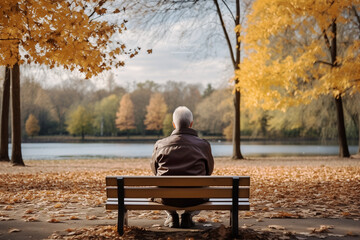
{"points": [[235, 208], [121, 219], [121, 207], [234, 223]]}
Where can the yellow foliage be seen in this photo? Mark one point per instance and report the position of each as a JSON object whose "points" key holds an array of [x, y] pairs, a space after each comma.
{"points": [[59, 33], [288, 58], [125, 119], [79, 121], [32, 127], [155, 112]]}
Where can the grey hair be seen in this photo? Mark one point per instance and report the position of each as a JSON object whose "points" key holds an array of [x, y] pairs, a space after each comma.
{"points": [[182, 117]]}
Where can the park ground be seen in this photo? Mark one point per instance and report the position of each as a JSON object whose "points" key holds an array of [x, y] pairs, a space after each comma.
{"points": [[291, 198]]}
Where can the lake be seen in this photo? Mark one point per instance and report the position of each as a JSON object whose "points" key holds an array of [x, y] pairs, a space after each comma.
{"points": [[53, 151]]}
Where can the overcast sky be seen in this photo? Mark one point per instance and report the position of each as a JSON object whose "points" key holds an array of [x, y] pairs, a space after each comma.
{"points": [[171, 59]]}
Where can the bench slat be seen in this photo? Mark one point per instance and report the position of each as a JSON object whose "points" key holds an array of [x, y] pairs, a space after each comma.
{"points": [[156, 206], [148, 192], [178, 181]]}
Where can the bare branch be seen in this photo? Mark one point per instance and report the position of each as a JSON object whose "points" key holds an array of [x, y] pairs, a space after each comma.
{"points": [[10, 39], [357, 16], [326, 39], [238, 43], [323, 62], [225, 33], [232, 15]]}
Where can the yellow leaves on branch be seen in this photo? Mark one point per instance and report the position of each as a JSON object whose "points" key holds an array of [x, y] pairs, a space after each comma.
{"points": [[288, 52], [60, 33]]}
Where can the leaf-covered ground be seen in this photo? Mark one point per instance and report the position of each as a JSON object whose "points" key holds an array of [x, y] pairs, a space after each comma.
{"points": [[292, 187]]}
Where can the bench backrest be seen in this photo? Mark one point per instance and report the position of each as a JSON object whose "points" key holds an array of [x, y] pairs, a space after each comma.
{"points": [[178, 186]]}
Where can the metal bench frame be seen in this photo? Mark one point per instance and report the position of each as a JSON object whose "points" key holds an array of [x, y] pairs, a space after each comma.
{"points": [[134, 192]]}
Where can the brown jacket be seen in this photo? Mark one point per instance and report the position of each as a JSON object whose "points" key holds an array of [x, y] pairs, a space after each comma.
{"points": [[182, 153]]}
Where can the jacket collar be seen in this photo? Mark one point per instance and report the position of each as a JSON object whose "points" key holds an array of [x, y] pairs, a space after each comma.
{"points": [[189, 131]]}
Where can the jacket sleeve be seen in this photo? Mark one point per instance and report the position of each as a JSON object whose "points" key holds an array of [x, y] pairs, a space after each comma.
{"points": [[153, 162], [210, 160]]}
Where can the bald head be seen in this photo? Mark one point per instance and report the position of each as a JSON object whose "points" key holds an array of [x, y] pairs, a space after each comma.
{"points": [[182, 117]]}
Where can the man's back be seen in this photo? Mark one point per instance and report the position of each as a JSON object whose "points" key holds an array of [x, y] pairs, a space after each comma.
{"points": [[182, 153]]}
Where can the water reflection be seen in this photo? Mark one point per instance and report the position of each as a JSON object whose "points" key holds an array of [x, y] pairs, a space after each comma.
{"points": [[54, 151]]}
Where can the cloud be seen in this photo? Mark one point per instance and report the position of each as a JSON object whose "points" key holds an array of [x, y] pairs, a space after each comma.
{"points": [[176, 62]]}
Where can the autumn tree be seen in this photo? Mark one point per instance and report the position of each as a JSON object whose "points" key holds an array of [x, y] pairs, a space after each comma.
{"points": [[105, 115], [140, 97], [56, 33], [155, 112], [125, 115], [79, 122], [32, 127], [300, 50]]}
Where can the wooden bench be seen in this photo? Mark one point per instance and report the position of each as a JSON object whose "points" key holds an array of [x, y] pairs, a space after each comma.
{"points": [[134, 193]]}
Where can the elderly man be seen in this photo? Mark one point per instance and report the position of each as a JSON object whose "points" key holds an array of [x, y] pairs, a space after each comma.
{"points": [[182, 153]]}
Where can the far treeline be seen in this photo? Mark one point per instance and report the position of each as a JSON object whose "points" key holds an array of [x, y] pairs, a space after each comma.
{"points": [[80, 109]]}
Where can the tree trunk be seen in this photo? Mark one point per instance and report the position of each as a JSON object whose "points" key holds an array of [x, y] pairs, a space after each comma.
{"points": [[236, 131], [4, 131], [359, 132], [235, 58], [16, 156], [343, 146]]}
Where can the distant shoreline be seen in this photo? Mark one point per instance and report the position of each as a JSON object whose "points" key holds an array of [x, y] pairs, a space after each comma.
{"points": [[154, 138]]}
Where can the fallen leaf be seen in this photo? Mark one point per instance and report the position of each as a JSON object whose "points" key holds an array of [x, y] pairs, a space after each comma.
{"points": [[217, 220], [31, 219], [201, 220], [53, 220], [58, 205], [8, 207], [277, 227], [5, 218], [12, 230], [29, 211], [322, 229], [93, 217]]}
